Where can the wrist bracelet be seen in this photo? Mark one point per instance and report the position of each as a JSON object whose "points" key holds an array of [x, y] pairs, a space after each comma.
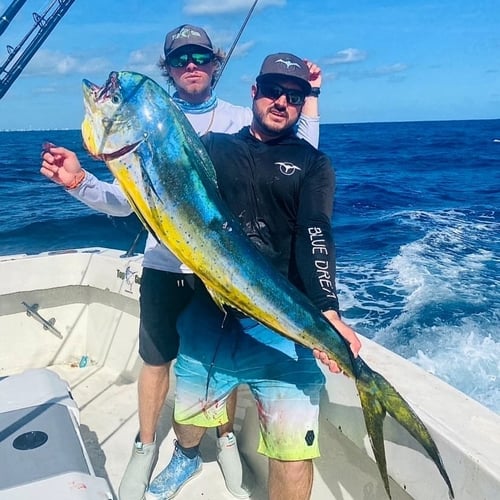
{"points": [[77, 180], [315, 91]]}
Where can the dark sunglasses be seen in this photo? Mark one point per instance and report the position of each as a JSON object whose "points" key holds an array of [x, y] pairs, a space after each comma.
{"points": [[274, 91], [182, 60]]}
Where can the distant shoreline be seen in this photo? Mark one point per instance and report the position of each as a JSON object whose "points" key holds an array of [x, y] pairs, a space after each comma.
{"points": [[321, 124]]}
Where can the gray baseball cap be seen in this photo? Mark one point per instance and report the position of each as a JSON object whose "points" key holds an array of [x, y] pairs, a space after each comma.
{"points": [[187, 35], [285, 64]]}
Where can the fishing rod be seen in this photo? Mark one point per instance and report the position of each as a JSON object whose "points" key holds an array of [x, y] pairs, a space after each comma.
{"points": [[217, 78], [10, 13], [44, 24], [130, 251]]}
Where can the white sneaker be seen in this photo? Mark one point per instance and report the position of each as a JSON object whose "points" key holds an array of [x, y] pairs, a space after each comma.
{"points": [[138, 472], [229, 461]]}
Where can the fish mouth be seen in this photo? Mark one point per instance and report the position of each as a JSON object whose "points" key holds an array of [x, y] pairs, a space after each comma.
{"points": [[129, 148]]}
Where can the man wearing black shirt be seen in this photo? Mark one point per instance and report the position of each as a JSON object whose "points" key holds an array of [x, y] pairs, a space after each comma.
{"points": [[281, 189]]}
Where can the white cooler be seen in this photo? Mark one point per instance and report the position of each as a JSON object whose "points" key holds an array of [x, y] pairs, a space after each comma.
{"points": [[42, 454]]}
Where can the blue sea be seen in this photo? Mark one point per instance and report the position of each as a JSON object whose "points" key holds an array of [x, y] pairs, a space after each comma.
{"points": [[416, 225]]}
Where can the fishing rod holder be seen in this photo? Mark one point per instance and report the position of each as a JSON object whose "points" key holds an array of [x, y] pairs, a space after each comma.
{"points": [[47, 324]]}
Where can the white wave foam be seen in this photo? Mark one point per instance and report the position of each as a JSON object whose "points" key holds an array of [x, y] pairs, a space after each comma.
{"points": [[436, 302]]}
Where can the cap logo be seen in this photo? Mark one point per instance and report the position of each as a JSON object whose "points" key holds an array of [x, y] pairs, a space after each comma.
{"points": [[185, 33], [287, 63]]}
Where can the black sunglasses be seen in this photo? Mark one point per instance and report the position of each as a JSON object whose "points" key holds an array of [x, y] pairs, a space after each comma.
{"points": [[274, 91], [182, 60]]}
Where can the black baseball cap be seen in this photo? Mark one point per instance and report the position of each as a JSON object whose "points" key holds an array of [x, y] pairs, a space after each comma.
{"points": [[285, 64], [187, 35]]}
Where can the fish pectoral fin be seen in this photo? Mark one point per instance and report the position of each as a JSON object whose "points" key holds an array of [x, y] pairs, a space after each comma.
{"points": [[145, 223], [138, 212], [379, 397], [217, 299]]}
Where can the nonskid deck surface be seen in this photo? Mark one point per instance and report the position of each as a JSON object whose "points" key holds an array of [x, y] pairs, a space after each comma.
{"points": [[109, 423]]}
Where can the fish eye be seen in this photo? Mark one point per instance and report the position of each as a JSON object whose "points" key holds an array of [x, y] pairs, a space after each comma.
{"points": [[116, 99]]}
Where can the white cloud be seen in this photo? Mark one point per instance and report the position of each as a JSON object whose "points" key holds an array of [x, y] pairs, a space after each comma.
{"points": [[47, 90], [145, 57], [224, 38], [56, 63], [389, 69], [329, 76], [141, 56], [378, 72], [347, 56], [242, 49], [47, 62], [145, 61], [209, 7], [352, 55]]}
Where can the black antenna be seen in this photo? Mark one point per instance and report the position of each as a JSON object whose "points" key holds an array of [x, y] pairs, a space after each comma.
{"points": [[234, 43]]}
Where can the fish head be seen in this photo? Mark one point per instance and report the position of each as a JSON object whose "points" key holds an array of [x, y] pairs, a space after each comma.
{"points": [[121, 114]]}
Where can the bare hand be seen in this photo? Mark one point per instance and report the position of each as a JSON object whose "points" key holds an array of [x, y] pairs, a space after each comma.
{"points": [[347, 332], [315, 78], [61, 165]]}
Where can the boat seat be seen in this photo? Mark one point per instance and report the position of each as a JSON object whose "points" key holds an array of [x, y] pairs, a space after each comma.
{"points": [[41, 448]]}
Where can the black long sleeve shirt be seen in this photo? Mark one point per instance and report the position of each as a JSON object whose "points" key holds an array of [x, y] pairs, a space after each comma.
{"points": [[282, 193]]}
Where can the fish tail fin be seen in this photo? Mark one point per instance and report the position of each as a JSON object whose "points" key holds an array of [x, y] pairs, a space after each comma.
{"points": [[379, 397]]}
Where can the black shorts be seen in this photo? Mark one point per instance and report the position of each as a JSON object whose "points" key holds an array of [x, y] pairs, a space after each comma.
{"points": [[163, 296]]}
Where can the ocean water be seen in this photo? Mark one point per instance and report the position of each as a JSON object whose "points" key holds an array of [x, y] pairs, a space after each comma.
{"points": [[416, 226]]}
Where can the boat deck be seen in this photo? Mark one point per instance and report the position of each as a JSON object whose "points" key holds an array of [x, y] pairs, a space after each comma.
{"points": [[109, 422], [91, 296]]}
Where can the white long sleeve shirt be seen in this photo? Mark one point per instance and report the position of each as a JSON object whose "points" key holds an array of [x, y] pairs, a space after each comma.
{"points": [[108, 197]]}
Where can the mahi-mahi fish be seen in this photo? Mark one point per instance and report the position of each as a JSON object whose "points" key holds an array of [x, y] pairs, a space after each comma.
{"points": [[132, 124]]}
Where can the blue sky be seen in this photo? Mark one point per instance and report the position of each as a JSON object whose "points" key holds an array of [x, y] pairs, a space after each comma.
{"points": [[383, 60]]}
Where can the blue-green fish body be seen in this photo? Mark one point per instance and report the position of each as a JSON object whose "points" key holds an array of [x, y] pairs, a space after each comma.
{"points": [[152, 150]]}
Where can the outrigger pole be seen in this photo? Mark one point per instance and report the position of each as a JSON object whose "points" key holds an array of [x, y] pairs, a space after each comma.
{"points": [[44, 24], [9, 14], [234, 43]]}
